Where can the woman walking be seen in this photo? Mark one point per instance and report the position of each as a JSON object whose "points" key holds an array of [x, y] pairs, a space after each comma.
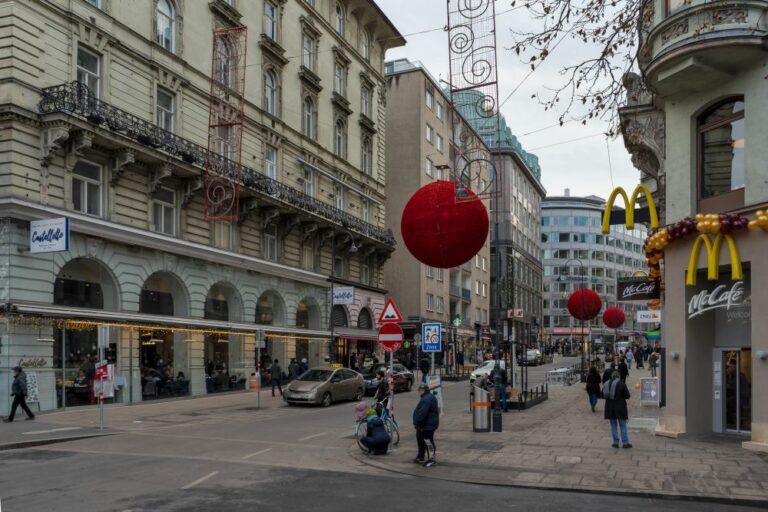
{"points": [[593, 387]]}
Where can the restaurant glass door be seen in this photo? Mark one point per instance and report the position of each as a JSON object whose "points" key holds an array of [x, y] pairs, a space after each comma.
{"points": [[737, 399]]}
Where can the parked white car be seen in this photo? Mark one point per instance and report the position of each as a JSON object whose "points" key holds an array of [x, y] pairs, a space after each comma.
{"points": [[485, 369]]}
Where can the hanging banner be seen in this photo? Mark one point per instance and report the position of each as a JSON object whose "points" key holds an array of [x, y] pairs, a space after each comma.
{"points": [[642, 289]]}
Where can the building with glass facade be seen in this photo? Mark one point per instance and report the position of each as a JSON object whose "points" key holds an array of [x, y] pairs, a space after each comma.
{"points": [[577, 254]]}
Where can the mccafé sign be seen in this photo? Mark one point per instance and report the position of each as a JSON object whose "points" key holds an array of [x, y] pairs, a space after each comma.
{"points": [[713, 258], [637, 288], [722, 297], [629, 205]]}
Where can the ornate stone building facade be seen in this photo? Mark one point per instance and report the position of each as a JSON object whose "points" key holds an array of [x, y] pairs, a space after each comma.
{"points": [[105, 111], [701, 143]]}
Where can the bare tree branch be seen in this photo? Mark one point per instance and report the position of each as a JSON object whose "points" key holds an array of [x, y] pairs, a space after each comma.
{"points": [[608, 29]]}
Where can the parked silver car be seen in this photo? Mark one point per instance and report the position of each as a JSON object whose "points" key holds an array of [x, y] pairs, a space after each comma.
{"points": [[323, 386]]}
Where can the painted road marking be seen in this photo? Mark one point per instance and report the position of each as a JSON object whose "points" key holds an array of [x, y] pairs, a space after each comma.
{"points": [[62, 429], [307, 438], [265, 450], [199, 480]]}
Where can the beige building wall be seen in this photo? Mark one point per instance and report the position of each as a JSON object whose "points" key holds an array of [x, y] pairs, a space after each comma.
{"points": [[412, 162]]}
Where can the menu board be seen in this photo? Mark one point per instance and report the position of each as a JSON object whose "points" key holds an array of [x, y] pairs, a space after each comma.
{"points": [[649, 391]]}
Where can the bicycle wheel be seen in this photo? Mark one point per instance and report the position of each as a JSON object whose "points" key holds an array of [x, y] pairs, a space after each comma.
{"points": [[360, 431], [393, 431]]}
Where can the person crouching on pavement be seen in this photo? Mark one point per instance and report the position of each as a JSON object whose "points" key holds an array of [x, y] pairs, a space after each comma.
{"points": [[376, 437], [616, 395], [426, 419], [19, 393]]}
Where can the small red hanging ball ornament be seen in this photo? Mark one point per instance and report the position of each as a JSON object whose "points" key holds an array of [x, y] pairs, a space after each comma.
{"points": [[441, 230], [584, 304], [614, 317]]}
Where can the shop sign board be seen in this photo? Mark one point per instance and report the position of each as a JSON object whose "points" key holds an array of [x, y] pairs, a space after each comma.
{"points": [[431, 335], [649, 391], [731, 298], [344, 295], [49, 235], [650, 316], [637, 289]]}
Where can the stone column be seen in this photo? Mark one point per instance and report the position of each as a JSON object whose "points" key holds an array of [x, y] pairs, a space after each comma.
{"points": [[129, 364], [196, 358]]}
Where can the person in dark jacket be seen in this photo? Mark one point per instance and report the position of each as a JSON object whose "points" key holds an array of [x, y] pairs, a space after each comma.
{"points": [[426, 419], [276, 376], [19, 393], [376, 437], [607, 373], [616, 395], [593, 387], [623, 369]]}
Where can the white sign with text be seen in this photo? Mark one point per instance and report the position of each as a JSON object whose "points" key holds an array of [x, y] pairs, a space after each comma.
{"points": [[651, 316], [49, 235]]}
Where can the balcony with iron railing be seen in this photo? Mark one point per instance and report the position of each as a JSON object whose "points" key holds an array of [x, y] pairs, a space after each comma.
{"points": [[76, 99]]}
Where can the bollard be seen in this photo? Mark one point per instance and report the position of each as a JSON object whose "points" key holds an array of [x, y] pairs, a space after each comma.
{"points": [[481, 410]]}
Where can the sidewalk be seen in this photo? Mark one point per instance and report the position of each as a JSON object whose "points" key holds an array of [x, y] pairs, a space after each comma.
{"points": [[561, 444]]}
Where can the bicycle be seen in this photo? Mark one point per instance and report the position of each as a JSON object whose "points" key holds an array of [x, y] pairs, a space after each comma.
{"points": [[390, 425]]}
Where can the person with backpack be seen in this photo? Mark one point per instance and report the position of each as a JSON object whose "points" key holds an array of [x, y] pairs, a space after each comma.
{"points": [[616, 395]]}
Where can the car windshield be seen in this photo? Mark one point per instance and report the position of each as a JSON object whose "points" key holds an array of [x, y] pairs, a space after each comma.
{"points": [[315, 375]]}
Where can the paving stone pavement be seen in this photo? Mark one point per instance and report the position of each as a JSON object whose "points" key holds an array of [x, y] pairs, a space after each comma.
{"points": [[561, 444]]}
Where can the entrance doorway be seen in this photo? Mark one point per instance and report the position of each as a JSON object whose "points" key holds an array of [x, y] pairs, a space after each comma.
{"points": [[733, 390]]}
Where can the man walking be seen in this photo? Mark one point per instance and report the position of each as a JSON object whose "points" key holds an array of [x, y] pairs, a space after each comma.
{"points": [[623, 370], [426, 419], [276, 377], [616, 395], [19, 393]]}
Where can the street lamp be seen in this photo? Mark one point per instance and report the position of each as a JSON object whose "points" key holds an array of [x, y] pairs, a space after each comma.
{"points": [[352, 249], [582, 279]]}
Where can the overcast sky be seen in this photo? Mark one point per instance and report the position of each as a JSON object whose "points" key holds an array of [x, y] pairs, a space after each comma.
{"points": [[583, 165]]}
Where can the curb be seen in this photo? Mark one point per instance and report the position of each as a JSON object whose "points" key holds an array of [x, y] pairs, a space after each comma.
{"points": [[356, 454], [53, 440]]}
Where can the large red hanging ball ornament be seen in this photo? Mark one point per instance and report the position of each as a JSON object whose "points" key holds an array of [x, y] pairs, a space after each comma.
{"points": [[440, 230], [584, 304], [614, 317]]}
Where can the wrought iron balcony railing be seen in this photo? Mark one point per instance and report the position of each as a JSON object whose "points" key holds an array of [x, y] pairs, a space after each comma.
{"points": [[75, 98]]}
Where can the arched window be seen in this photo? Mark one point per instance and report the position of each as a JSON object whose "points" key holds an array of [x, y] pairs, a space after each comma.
{"points": [[367, 157], [340, 139], [222, 66], [721, 136], [339, 18], [165, 25], [365, 44], [270, 92], [308, 118]]}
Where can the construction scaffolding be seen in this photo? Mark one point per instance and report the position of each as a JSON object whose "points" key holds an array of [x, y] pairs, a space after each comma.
{"points": [[223, 164]]}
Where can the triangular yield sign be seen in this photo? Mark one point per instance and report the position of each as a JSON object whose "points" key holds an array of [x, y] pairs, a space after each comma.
{"points": [[390, 314]]}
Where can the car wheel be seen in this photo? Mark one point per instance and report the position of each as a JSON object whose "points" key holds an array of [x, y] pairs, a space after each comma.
{"points": [[359, 395], [326, 400]]}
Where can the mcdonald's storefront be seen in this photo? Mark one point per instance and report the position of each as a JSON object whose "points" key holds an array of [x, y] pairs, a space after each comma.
{"points": [[714, 332]]}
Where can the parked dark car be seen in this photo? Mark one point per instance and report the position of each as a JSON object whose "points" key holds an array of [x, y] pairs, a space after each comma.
{"points": [[403, 377], [532, 357]]}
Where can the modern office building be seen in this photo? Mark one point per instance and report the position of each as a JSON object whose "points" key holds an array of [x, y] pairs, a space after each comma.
{"points": [[110, 121], [577, 254], [701, 143], [420, 151]]}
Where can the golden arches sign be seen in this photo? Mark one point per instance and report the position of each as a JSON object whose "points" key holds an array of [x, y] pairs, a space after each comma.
{"points": [[629, 204], [713, 258]]}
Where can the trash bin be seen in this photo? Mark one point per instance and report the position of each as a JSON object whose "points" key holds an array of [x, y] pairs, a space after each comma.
{"points": [[481, 410]]}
